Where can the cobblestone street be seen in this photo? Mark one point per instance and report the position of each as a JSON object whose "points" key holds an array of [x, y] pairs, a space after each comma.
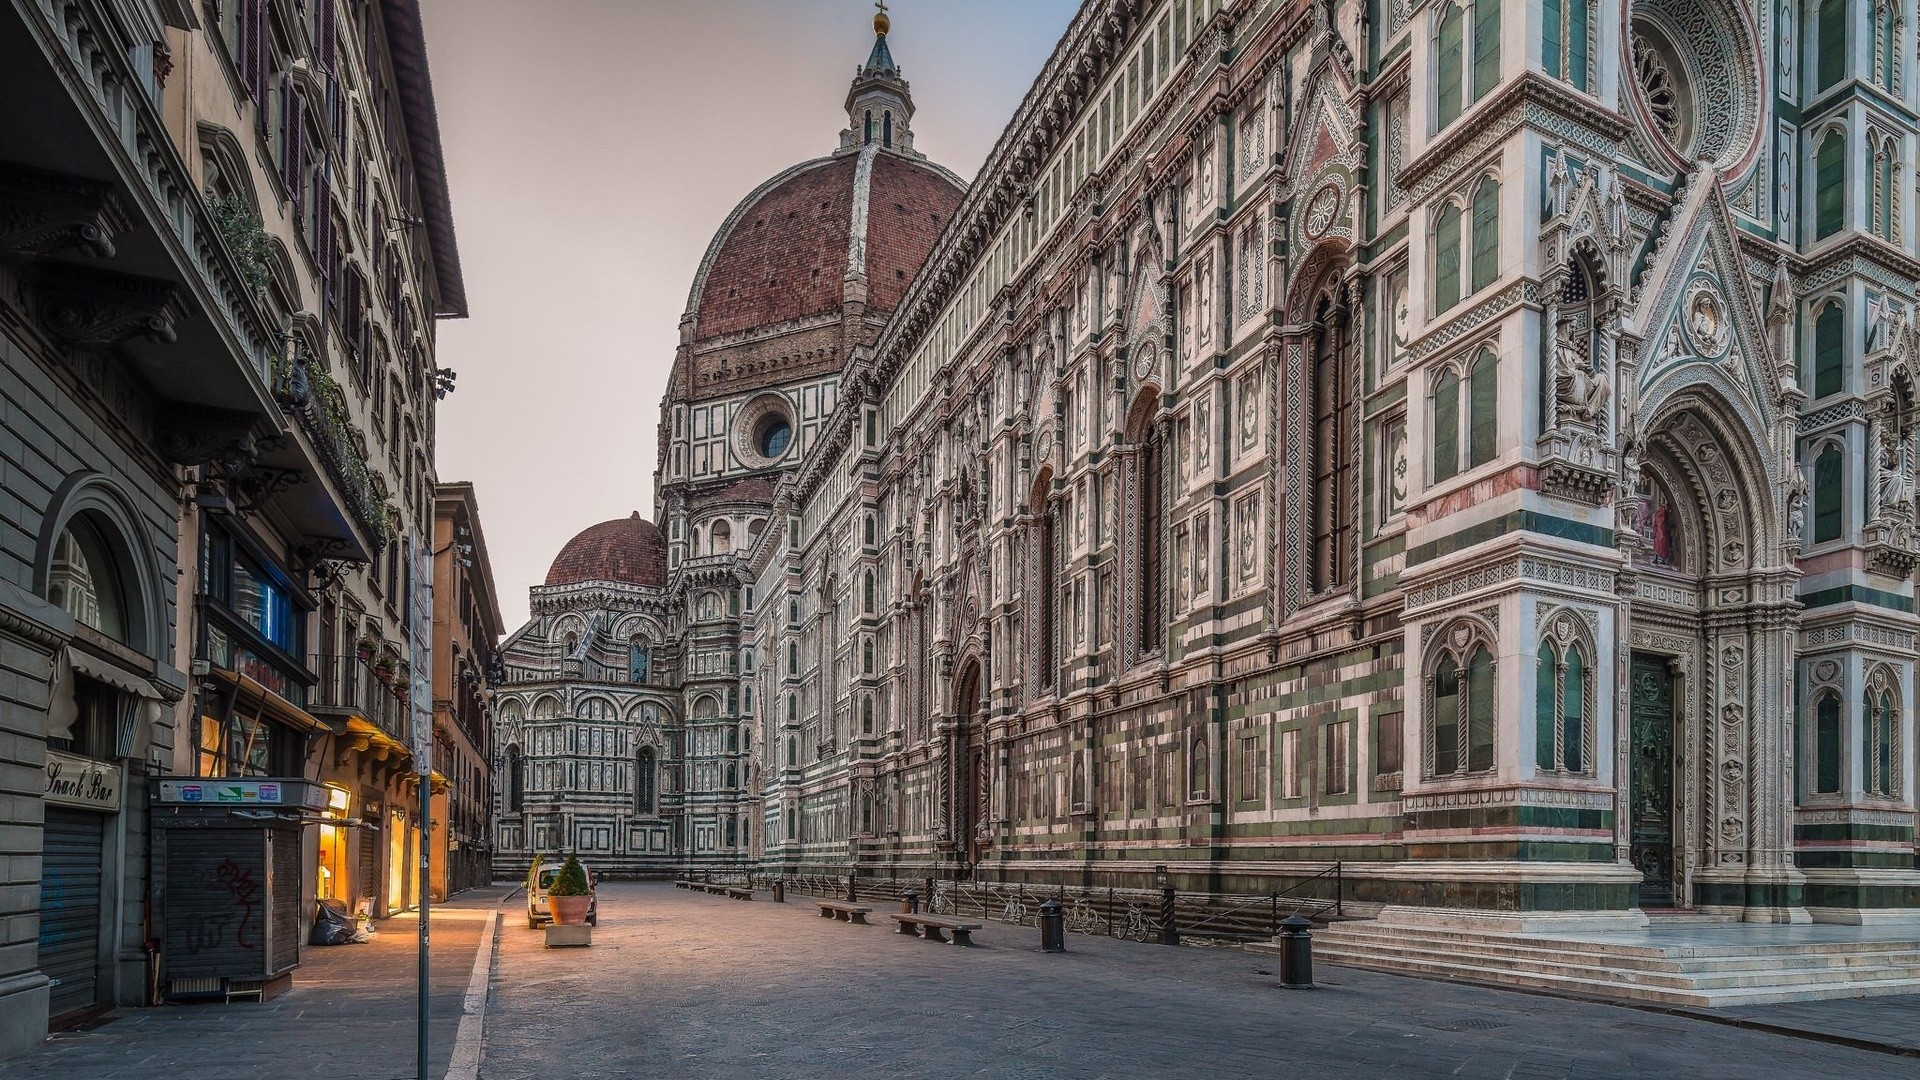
{"points": [[685, 985]]}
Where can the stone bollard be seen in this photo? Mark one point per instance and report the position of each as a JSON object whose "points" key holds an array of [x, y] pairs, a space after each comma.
{"points": [[1169, 932], [1296, 953], [931, 896], [1053, 927], [853, 891]]}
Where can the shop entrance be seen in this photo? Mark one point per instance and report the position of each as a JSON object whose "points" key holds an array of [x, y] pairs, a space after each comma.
{"points": [[70, 911]]}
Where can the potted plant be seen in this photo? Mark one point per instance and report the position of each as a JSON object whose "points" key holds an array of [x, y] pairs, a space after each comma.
{"points": [[383, 668], [366, 647], [570, 895]]}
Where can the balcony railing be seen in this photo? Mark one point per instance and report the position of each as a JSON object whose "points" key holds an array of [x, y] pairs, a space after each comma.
{"points": [[316, 403], [351, 686]]}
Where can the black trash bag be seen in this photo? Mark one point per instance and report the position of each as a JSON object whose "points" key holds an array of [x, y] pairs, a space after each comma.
{"points": [[332, 924]]}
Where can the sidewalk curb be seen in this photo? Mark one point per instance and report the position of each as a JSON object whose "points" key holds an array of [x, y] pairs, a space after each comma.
{"points": [[469, 1041]]}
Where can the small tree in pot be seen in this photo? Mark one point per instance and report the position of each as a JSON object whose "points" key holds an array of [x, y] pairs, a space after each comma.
{"points": [[570, 895]]}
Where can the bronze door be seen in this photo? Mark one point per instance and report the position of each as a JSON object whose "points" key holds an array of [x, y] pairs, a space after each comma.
{"points": [[1651, 777]]}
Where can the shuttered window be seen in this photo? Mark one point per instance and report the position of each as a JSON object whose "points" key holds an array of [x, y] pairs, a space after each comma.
{"points": [[1829, 351], [1830, 186], [1832, 39], [1486, 234], [1449, 66], [1829, 495], [1446, 258]]}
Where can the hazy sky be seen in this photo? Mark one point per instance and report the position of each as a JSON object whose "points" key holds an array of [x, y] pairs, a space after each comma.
{"points": [[593, 147]]}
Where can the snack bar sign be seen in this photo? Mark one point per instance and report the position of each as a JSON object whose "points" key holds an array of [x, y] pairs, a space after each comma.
{"points": [[76, 781]]}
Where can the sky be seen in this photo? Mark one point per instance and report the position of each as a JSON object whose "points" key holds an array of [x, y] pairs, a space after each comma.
{"points": [[593, 147]]}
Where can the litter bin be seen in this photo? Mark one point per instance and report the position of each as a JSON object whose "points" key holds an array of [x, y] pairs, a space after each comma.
{"points": [[779, 891], [1053, 927], [1296, 953], [910, 902]]}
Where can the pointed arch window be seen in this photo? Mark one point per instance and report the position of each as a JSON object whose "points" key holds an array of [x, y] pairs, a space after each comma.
{"points": [[1831, 37], [1486, 234], [1466, 44], [1880, 737], [1830, 184], [1829, 494], [516, 780], [644, 774], [1563, 694], [1461, 705], [1565, 33], [639, 661], [1331, 503], [1446, 425], [1466, 434], [1826, 744], [1446, 257], [1152, 524], [1829, 350], [1886, 188], [1483, 404], [1044, 597]]}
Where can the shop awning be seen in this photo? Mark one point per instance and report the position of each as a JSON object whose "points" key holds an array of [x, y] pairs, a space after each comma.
{"points": [[113, 674], [375, 737], [269, 703]]}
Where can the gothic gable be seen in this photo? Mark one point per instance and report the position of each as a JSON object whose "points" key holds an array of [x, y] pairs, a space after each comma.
{"points": [[1696, 318]]}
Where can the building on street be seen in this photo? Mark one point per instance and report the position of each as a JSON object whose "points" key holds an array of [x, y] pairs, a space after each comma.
{"points": [[1472, 443], [466, 632], [226, 246]]}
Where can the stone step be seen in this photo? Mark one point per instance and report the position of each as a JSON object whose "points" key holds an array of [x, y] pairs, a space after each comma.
{"points": [[1595, 983], [1516, 947], [1698, 979], [1600, 946]]}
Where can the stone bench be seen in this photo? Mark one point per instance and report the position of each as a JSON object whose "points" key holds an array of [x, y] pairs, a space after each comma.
{"points": [[929, 927], [843, 911], [734, 892]]}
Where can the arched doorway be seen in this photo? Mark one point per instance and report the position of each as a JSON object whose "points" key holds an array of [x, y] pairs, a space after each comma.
{"points": [[1711, 628], [973, 787]]}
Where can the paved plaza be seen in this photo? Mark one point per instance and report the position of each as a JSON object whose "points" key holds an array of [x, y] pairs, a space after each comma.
{"points": [[685, 985]]}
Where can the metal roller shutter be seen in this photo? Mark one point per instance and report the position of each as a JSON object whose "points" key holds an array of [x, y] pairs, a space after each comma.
{"points": [[368, 887], [70, 909]]}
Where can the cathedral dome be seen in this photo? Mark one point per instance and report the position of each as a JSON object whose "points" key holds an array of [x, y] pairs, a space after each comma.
{"points": [[852, 226], [789, 252], [628, 550]]}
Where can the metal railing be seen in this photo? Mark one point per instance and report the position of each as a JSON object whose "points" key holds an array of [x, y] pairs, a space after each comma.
{"points": [[1134, 914], [348, 684]]}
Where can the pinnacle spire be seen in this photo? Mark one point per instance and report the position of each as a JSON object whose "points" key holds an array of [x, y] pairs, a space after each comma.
{"points": [[879, 104]]}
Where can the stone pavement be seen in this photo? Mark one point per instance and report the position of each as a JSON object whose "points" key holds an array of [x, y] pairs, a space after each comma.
{"points": [[349, 1016], [1890, 1022], [685, 985]]}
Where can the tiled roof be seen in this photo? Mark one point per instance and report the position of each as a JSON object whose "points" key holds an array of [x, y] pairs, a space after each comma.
{"points": [[628, 550]]}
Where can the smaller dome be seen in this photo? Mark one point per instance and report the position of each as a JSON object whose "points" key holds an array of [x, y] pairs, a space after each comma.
{"points": [[628, 550]]}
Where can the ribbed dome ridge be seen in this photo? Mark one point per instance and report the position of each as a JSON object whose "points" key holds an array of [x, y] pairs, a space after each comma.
{"points": [[627, 551]]}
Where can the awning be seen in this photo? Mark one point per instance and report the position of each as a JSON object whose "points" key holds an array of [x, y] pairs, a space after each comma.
{"points": [[268, 702], [111, 673]]}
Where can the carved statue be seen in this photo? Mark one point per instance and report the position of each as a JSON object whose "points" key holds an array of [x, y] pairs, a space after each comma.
{"points": [[1581, 394], [1894, 480], [1796, 512]]}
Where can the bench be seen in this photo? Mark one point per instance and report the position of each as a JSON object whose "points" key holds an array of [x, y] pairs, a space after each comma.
{"points": [[682, 883], [929, 927], [843, 911], [734, 892]]}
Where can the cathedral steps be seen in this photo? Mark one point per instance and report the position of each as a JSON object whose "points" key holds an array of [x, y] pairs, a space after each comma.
{"points": [[1716, 969]]}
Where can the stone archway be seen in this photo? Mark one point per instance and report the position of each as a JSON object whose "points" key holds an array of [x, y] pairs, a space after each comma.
{"points": [[1703, 753], [973, 784]]}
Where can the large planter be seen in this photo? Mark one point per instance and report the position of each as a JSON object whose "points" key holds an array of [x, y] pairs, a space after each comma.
{"points": [[569, 910]]}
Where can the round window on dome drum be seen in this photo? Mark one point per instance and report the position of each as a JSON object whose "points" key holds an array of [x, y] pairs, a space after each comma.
{"points": [[774, 435]]}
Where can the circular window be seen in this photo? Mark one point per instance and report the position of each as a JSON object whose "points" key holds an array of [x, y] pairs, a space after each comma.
{"points": [[1697, 82], [772, 438], [763, 431]]}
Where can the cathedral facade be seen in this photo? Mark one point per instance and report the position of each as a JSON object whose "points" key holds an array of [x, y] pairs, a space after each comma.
{"points": [[1469, 441]]}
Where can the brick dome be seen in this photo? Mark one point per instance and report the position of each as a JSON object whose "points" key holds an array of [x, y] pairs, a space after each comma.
{"points": [[628, 550], [784, 254]]}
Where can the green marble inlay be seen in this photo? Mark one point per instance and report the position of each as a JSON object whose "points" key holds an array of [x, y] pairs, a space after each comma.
{"points": [[1517, 521], [1858, 594]]}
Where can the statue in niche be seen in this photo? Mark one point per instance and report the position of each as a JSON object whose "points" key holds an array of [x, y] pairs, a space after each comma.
{"points": [[1796, 512], [1655, 523], [1582, 394], [1894, 479]]}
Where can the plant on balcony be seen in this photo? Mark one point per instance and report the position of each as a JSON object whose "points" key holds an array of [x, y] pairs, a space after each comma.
{"points": [[366, 647], [245, 237], [383, 668]]}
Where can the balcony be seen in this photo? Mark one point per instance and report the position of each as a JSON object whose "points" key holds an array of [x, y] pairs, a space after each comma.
{"points": [[351, 694]]}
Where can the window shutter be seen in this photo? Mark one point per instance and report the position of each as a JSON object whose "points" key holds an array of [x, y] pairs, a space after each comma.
{"points": [[1573, 695], [1830, 185], [1544, 723], [1451, 50], [1486, 47], [1446, 427], [1550, 57], [253, 49], [1827, 744], [1480, 711], [1829, 351], [1483, 392], [1832, 42], [1577, 43], [1829, 495], [1486, 234], [1446, 258]]}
